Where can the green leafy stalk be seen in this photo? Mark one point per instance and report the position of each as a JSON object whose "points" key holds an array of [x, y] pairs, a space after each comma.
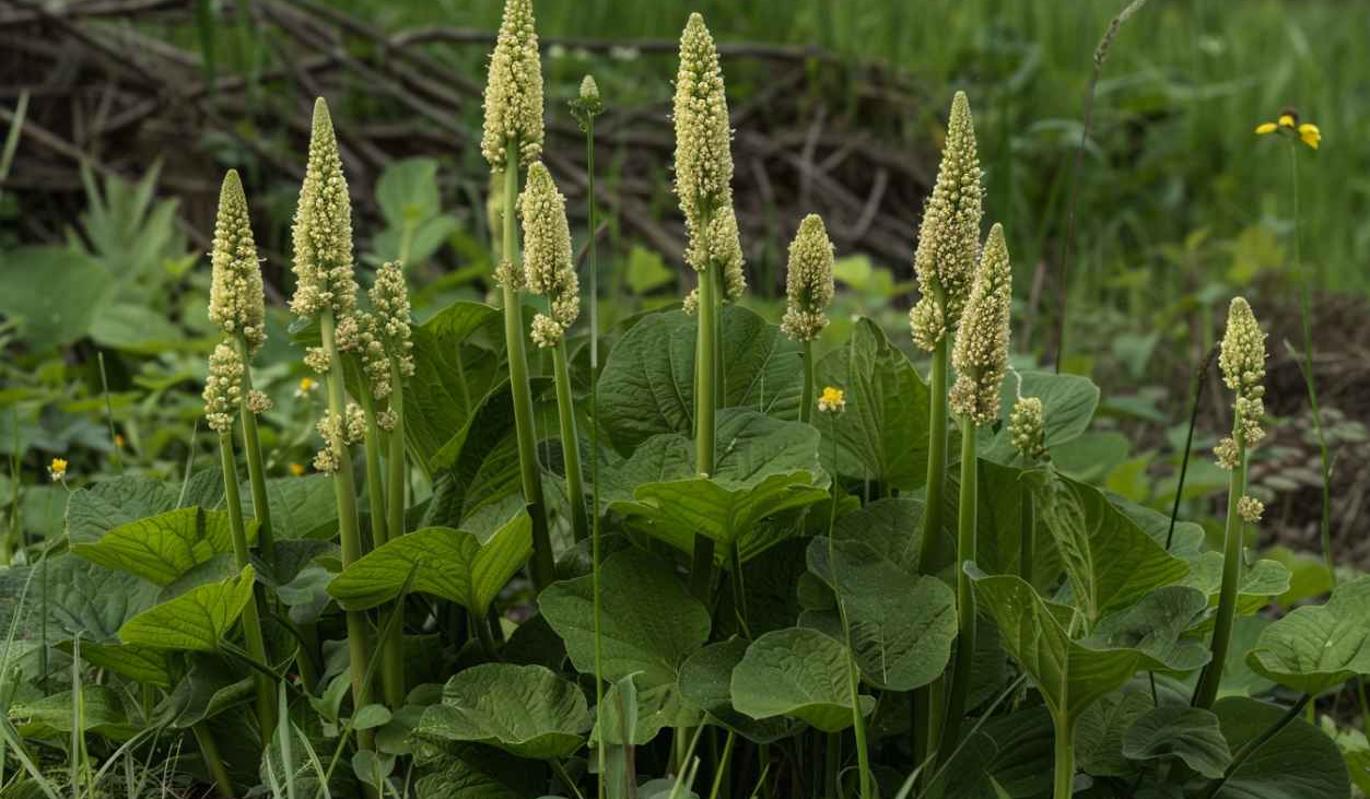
{"points": [[965, 596], [392, 646], [806, 399], [251, 618], [1063, 771], [542, 568], [256, 470], [570, 443], [209, 750], [706, 371], [375, 486], [927, 701], [1207, 690]]}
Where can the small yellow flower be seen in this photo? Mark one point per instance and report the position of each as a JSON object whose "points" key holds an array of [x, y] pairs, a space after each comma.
{"points": [[297, 469], [832, 400], [1288, 124], [57, 470], [119, 440], [306, 387]]}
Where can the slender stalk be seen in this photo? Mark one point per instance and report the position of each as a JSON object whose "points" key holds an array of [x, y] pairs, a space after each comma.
{"points": [[1199, 380], [965, 598], [256, 471], [853, 675], [1207, 690], [349, 534], [542, 568], [927, 702], [806, 400], [706, 398], [375, 487], [251, 618], [832, 765], [392, 646], [1063, 777], [570, 442], [721, 770], [215, 764]]}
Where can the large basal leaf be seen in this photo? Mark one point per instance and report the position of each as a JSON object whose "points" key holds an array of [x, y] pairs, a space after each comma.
{"points": [[301, 507], [882, 435], [800, 673], [452, 564], [52, 292], [1260, 582], [1189, 734], [456, 363], [1299, 762], [1100, 729], [164, 547], [195, 620], [211, 686], [649, 622], [706, 684], [892, 526], [901, 626], [102, 712], [657, 708], [1068, 404], [473, 771], [80, 597], [1157, 625], [100, 507], [1070, 675], [647, 386], [1317, 647], [527, 711], [140, 663]]}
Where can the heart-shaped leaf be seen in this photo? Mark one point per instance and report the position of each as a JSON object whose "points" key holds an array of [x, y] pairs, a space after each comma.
{"points": [[705, 683], [1298, 762], [1189, 734], [1068, 404], [164, 547], [527, 711], [195, 620], [1317, 647], [800, 673], [456, 363]]}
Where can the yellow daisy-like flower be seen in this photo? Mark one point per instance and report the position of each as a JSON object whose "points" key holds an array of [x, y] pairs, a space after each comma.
{"points": [[306, 386], [832, 400], [297, 469], [57, 470], [1288, 124]]}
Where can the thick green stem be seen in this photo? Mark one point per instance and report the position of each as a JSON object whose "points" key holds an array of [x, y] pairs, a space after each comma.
{"points": [[570, 443], [832, 765], [251, 618], [392, 647], [928, 701], [1063, 779], [375, 486], [542, 567], [349, 533], [806, 399], [706, 398], [1207, 690], [1027, 536], [209, 750], [256, 471], [965, 597], [592, 266]]}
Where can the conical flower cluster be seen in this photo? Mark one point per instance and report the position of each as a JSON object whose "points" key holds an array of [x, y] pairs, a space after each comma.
{"points": [[547, 260], [223, 387], [808, 282], [1242, 360], [513, 90], [323, 228], [949, 236], [1027, 428], [390, 306], [236, 302], [981, 352]]}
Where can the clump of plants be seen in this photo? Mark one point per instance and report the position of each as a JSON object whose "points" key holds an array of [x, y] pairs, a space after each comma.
{"points": [[745, 561]]}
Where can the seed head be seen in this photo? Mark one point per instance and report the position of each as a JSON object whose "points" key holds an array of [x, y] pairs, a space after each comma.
{"points": [[981, 352], [949, 236], [513, 90], [390, 306], [808, 283], [587, 105], [547, 266], [236, 302], [1242, 360], [223, 387], [1027, 428], [323, 228]]}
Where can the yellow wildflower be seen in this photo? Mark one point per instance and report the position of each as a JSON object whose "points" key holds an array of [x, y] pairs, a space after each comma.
{"points": [[297, 469], [306, 387], [119, 441], [1288, 125], [832, 400], [57, 470]]}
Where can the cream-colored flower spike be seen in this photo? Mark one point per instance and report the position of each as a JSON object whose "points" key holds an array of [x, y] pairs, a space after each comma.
{"points": [[703, 135], [1242, 360], [808, 282], [981, 352], [223, 387], [390, 306], [547, 264], [949, 236], [1027, 428], [323, 228], [513, 89], [236, 302]]}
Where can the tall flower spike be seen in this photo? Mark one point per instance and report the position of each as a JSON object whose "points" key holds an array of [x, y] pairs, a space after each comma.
{"points": [[513, 89], [808, 283], [981, 352], [1242, 360], [949, 236], [390, 306], [323, 228], [223, 387], [236, 302], [1027, 428], [547, 265]]}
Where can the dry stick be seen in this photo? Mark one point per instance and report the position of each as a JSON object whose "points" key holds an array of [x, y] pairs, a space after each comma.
{"points": [[1200, 378], [1063, 277]]}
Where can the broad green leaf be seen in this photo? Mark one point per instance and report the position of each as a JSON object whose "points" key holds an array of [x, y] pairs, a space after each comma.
{"points": [[1260, 582], [301, 507], [649, 622], [1068, 403], [98, 508], [658, 707], [892, 526], [1238, 677], [196, 620], [140, 663], [1100, 729], [1155, 625], [647, 386], [452, 564], [473, 771], [1299, 762], [901, 626], [102, 712], [882, 435], [800, 673], [164, 547], [53, 293], [81, 598], [527, 711], [705, 683], [1189, 734], [212, 686], [1317, 647], [131, 326], [456, 363], [407, 190], [1070, 675]]}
